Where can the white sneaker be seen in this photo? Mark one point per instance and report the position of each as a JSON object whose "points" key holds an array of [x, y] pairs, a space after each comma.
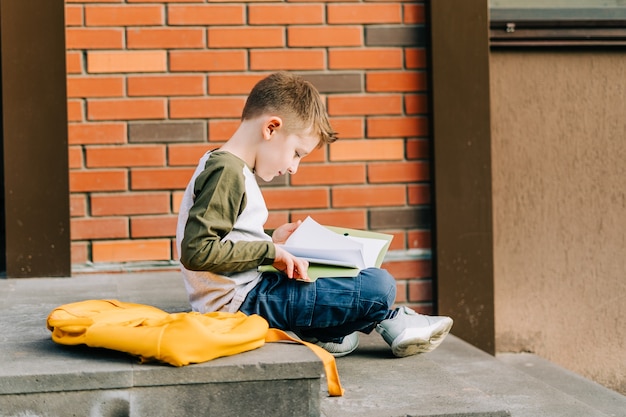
{"points": [[347, 346], [409, 333]]}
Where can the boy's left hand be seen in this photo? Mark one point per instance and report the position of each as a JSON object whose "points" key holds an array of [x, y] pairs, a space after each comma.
{"points": [[282, 233], [292, 266]]}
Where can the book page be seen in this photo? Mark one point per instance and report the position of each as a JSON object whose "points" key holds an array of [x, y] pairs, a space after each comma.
{"points": [[371, 249], [314, 241]]}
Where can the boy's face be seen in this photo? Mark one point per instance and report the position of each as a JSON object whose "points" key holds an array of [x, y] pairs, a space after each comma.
{"points": [[282, 152]]}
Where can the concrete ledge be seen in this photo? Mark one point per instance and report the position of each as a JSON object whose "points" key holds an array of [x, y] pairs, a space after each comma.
{"points": [[588, 392], [41, 378]]}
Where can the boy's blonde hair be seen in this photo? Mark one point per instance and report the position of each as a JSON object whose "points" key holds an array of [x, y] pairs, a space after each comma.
{"points": [[295, 100]]}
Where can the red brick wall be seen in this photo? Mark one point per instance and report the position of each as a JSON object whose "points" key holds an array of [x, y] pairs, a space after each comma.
{"points": [[153, 83]]}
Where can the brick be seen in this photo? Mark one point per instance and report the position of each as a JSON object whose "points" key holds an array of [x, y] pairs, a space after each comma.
{"points": [[388, 35], [94, 1], [381, 172], [319, 174], [165, 38], [324, 36], [368, 196], [127, 156], [414, 13], [392, 127], [410, 269], [276, 219], [354, 219], [88, 38], [397, 218], [416, 104], [120, 204], [79, 253], [278, 181], [420, 290], [415, 58], [165, 1], [78, 205], [131, 250], [160, 179], [419, 239], [124, 15], [348, 127], [367, 150], [206, 15], [75, 157], [221, 130], [75, 110], [422, 308], [74, 62], [100, 228], [351, 105], [206, 107], [370, 58], [418, 194], [336, 83], [177, 198], [291, 59], [167, 132], [417, 149], [398, 241], [207, 60], [166, 85], [174, 250], [406, 81], [126, 61], [84, 87], [126, 109], [232, 83], [185, 154], [364, 13], [245, 37], [316, 155], [401, 292], [153, 226], [96, 133], [98, 180], [296, 198], [285, 14], [73, 15]]}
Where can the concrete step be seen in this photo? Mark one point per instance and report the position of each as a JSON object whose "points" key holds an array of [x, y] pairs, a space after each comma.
{"points": [[594, 395], [41, 378], [458, 380]]}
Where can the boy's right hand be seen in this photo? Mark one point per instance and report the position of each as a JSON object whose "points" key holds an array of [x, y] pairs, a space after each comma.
{"points": [[292, 266]]}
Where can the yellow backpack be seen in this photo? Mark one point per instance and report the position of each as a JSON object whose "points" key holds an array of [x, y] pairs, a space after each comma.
{"points": [[174, 338]]}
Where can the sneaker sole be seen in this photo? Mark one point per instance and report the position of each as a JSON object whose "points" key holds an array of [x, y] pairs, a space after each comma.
{"points": [[342, 354], [413, 341]]}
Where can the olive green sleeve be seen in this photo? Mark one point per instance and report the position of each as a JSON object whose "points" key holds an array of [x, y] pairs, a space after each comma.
{"points": [[220, 199]]}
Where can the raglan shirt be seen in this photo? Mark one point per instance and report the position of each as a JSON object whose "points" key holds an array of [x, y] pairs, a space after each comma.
{"points": [[219, 235]]}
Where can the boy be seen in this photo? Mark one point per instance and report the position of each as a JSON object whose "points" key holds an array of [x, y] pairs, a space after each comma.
{"points": [[221, 240]]}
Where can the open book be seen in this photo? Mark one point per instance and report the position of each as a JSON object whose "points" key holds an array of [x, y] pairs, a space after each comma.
{"points": [[334, 251]]}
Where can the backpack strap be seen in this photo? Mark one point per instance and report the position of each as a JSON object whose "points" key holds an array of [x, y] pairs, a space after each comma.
{"points": [[330, 366]]}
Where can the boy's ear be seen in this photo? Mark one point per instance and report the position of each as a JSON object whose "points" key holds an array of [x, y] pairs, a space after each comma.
{"points": [[271, 125]]}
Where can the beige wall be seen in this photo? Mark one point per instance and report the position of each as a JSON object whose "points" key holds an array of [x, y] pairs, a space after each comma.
{"points": [[559, 198]]}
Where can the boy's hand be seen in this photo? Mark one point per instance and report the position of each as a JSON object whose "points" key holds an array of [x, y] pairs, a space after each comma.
{"points": [[292, 266], [282, 233]]}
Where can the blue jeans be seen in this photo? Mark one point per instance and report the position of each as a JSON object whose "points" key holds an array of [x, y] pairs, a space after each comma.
{"points": [[327, 309]]}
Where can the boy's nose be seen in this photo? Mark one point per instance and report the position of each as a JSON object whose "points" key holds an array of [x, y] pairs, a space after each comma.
{"points": [[293, 168]]}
